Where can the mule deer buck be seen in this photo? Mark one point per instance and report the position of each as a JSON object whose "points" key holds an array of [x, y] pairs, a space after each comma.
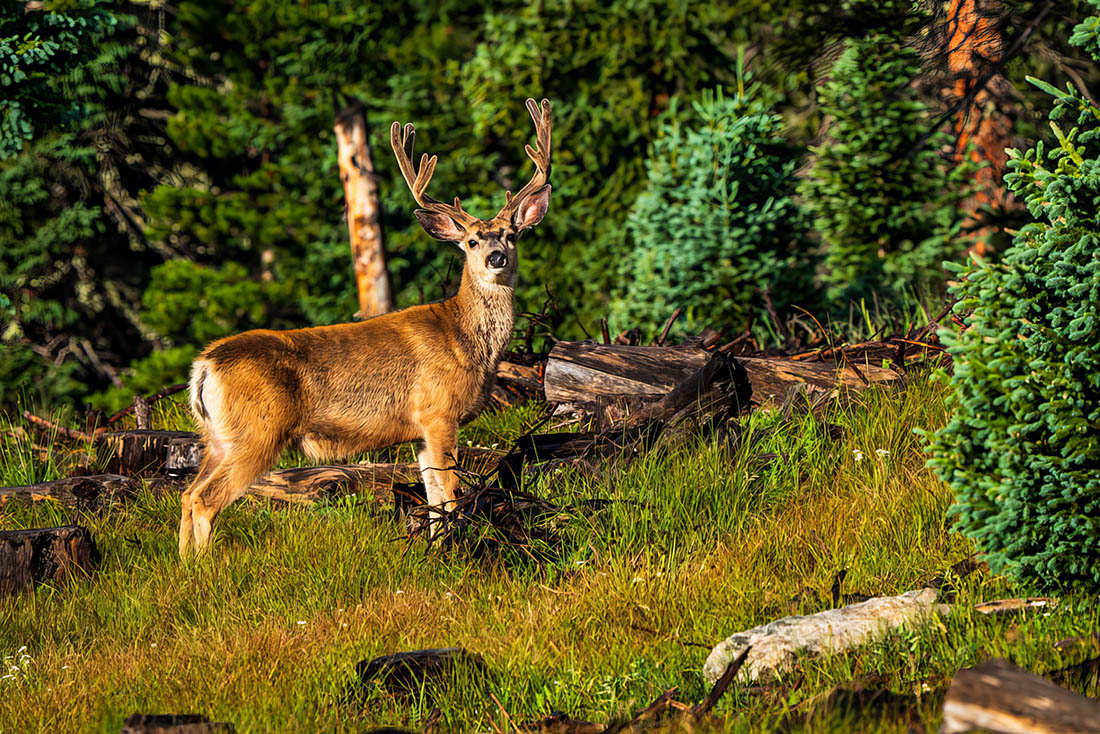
{"points": [[339, 390]]}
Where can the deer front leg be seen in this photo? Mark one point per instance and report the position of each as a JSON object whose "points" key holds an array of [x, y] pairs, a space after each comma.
{"points": [[436, 458]]}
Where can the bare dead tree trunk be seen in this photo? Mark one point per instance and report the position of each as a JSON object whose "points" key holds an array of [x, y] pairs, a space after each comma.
{"points": [[363, 211]]}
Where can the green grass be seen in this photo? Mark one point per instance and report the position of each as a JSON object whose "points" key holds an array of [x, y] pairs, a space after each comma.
{"points": [[692, 545]]}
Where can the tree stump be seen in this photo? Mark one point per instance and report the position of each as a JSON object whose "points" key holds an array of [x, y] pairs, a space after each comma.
{"points": [[137, 453], [29, 557], [183, 455]]}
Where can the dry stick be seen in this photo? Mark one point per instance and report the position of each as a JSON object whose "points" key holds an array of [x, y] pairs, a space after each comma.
{"points": [[606, 333], [504, 711], [936, 321], [668, 325], [46, 426], [151, 399], [766, 293], [701, 709], [919, 344]]}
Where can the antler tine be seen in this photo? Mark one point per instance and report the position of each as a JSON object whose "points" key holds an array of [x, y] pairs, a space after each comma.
{"points": [[539, 155], [402, 140]]}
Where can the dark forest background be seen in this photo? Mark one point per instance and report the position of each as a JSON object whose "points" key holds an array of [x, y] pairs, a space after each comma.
{"points": [[168, 170]]}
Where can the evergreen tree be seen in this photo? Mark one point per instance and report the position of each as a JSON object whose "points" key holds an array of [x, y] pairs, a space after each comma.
{"points": [[74, 149], [716, 223], [889, 212], [1022, 450]]}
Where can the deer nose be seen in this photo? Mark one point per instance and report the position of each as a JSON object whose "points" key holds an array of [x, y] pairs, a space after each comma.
{"points": [[496, 259]]}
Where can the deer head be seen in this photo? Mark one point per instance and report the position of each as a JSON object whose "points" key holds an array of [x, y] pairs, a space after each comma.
{"points": [[489, 245]]}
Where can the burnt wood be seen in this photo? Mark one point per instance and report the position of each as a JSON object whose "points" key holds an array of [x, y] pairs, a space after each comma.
{"points": [[173, 724]]}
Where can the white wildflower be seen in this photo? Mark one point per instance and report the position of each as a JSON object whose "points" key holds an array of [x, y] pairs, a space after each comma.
{"points": [[882, 452], [858, 454]]}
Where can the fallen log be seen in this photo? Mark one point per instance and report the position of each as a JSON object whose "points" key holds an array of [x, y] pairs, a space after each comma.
{"points": [[300, 485], [997, 696], [173, 724], [44, 555], [776, 645], [582, 372], [585, 372], [310, 484], [84, 493], [526, 377], [773, 379]]}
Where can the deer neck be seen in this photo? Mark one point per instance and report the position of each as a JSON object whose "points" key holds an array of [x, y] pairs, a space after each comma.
{"points": [[485, 317]]}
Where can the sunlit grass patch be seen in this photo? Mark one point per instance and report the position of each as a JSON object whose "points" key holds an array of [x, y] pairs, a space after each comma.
{"points": [[686, 545]]}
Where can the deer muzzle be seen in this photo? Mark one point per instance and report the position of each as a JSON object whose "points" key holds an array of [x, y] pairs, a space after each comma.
{"points": [[496, 260]]}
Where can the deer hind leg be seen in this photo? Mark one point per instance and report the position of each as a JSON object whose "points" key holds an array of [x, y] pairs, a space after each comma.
{"points": [[228, 482], [211, 460]]}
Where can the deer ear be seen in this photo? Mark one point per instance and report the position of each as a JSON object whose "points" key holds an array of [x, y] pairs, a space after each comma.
{"points": [[531, 211], [440, 226]]}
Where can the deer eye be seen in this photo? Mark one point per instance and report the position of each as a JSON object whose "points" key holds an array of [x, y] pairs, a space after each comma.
{"points": [[472, 244], [511, 238]]}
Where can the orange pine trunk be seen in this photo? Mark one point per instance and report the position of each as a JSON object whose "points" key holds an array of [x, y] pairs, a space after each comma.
{"points": [[975, 46]]}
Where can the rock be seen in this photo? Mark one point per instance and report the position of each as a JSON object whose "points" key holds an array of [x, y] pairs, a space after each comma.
{"points": [[407, 672], [776, 645]]}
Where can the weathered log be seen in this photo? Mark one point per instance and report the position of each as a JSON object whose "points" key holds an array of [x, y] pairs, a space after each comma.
{"points": [[41, 555], [584, 372], [85, 493], [772, 378], [516, 384], [520, 375], [695, 391], [363, 212], [776, 645], [581, 372], [407, 672], [173, 724], [997, 696], [140, 452]]}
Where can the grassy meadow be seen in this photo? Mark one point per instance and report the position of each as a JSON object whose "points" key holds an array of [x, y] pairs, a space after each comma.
{"points": [[690, 545]]}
